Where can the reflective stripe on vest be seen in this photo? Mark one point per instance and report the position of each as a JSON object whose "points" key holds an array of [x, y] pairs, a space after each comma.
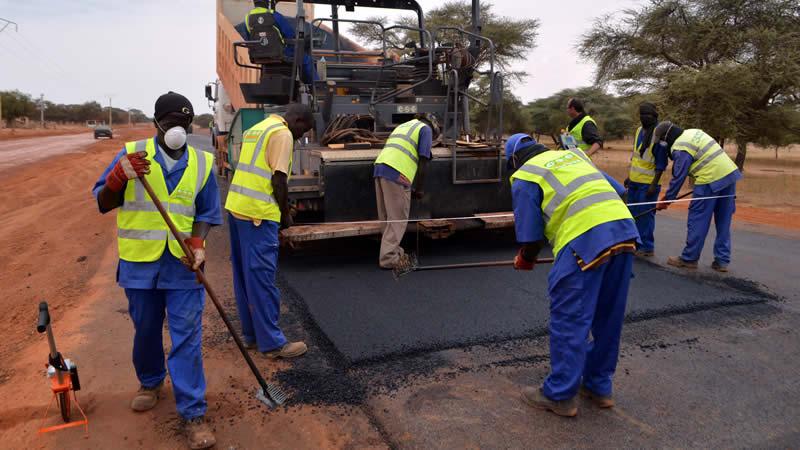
{"points": [[577, 132], [142, 233], [250, 192], [643, 166], [400, 150], [577, 197], [711, 163]]}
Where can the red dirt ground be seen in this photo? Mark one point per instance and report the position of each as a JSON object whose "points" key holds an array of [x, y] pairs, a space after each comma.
{"points": [[57, 247]]}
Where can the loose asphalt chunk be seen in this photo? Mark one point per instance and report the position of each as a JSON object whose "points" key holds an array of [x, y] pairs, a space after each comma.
{"points": [[370, 317]]}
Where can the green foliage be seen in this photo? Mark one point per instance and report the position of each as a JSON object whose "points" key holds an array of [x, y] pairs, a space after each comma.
{"points": [[17, 104], [513, 38], [203, 120], [730, 67], [614, 115]]}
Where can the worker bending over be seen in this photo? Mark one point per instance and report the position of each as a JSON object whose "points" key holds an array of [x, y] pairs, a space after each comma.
{"points": [[402, 161], [582, 129], [561, 198], [150, 269], [648, 162], [258, 203], [698, 155]]}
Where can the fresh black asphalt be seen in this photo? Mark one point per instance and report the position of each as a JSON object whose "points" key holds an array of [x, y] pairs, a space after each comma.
{"points": [[367, 315]]}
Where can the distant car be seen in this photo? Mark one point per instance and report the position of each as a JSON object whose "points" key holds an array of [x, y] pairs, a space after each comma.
{"points": [[103, 131]]}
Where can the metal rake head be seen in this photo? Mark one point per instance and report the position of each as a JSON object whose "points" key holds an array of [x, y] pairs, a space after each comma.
{"points": [[272, 396]]}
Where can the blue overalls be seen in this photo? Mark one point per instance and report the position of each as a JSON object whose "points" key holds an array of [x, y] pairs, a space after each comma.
{"points": [[580, 301], [167, 289], [254, 259], [637, 193], [701, 212]]}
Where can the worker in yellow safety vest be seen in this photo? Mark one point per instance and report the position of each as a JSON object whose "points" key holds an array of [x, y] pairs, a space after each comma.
{"points": [[258, 205], [156, 283], [697, 155], [401, 162], [648, 162], [582, 130], [561, 198]]}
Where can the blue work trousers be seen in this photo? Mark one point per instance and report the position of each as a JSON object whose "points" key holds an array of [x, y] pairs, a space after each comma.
{"points": [[254, 259], [646, 224], [582, 302], [183, 309], [699, 221]]}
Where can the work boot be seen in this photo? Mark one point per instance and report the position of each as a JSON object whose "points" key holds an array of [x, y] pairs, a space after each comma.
{"points": [[601, 401], [146, 398], [645, 253], [290, 350], [536, 398], [676, 261], [199, 434], [719, 267], [249, 345]]}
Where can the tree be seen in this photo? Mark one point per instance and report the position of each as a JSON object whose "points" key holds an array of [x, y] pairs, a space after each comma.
{"points": [[17, 104], [513, 38], [730, 67], [203, 120]]}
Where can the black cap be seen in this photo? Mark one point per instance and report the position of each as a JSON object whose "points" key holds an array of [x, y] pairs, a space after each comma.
{"points": [[173, 102], [649, 109]]}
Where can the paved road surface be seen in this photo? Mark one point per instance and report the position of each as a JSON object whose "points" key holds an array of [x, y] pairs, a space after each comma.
{"points": [[23, 151], [723, 377]]}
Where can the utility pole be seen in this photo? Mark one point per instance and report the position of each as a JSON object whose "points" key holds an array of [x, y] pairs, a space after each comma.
{"points": [[129, 118], [109, 112], [16, 28], [42, 107]]}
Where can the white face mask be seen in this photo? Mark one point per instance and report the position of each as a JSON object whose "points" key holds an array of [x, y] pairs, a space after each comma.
{"points": [[175, 137]]}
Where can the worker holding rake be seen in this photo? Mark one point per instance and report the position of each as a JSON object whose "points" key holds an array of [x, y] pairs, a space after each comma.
{"points": [[157, 284], [560, 197]]}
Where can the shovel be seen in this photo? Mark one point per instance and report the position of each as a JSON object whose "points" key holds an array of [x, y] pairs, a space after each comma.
{"points": [[269, 394]]}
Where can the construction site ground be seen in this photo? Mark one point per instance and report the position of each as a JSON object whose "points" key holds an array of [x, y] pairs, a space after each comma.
{"points": [[434, 360]]}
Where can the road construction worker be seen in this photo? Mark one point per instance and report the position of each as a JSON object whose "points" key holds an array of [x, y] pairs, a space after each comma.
{"points": [[560, 197], [258, 205], [697, 155], [644, 178], [582, 129], [401, 162], [156, 283]]}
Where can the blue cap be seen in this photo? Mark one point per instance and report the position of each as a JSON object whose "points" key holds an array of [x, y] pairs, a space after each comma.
{"points": [[518, 142]]}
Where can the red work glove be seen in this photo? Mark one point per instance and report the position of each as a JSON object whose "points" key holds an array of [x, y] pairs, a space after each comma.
{"points": [[130, 166], [520, 263], [198, 248], [662, 203]]}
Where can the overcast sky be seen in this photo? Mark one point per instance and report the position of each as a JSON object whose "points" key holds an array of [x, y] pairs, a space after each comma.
{"points": [[77, 50]]}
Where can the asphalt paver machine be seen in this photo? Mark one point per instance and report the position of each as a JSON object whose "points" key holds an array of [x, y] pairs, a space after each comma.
{"points": [[358, 96]]}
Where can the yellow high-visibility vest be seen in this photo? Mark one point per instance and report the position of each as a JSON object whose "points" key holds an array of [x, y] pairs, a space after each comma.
{"points": [[250, 192], [643, 166], [711, 163], [142, 233], [577, 197], [577, 132], [400, 150]]}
